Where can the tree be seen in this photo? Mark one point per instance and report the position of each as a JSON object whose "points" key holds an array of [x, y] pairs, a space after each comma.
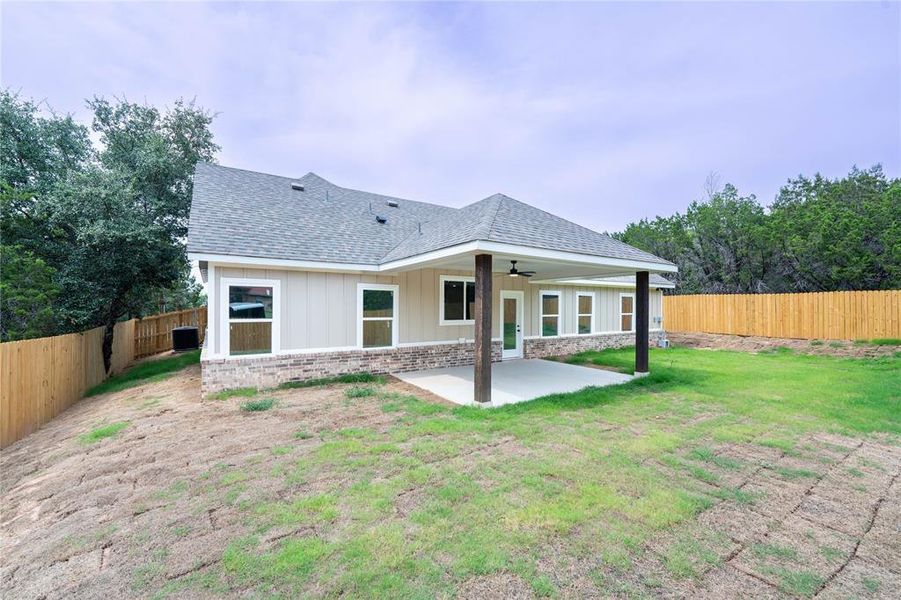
{"points": [[27, 294], [109, 222], [719, 244], [819, 235], [841, 234]]}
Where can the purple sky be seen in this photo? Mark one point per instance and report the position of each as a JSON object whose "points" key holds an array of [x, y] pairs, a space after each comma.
{"points": [[601, 113]]}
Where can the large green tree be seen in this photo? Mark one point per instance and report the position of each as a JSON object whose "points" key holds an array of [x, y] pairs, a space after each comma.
{"points": [[108, 222], [841, 234], [819, 235]]}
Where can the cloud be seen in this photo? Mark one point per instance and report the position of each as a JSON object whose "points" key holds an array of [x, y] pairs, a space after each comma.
{"points": [[602, 113]]}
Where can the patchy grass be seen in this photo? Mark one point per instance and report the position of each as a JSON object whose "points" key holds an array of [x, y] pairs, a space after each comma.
{"points": [[258, 405], [359, 392], [242, 392], [424, 497], [146, 372], [790, 473], [102, 432], [885, 342], [350, 378], [799, 583]]}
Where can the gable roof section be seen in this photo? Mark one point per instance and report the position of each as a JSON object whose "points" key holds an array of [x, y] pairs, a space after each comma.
{"points": [[244, 213]]}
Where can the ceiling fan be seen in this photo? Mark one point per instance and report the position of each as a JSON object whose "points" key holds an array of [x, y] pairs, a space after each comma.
{"points": [[515, 273]]}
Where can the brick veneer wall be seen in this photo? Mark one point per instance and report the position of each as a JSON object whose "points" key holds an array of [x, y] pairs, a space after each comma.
{"points": [[269, 371], [563, 346]]}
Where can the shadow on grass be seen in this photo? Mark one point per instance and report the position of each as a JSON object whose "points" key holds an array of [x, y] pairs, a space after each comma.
{"points": [[146, 372]]}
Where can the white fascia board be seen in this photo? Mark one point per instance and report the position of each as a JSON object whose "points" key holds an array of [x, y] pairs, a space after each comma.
{"points": [[529, 252], [228, 260], [474, 247], [595, 283]]}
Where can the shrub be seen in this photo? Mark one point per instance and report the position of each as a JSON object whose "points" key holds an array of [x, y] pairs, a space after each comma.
{"points": [[258, 405], [359, 392]]}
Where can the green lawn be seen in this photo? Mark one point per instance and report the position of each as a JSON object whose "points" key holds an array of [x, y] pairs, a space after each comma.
{"points": [[416, 508], [145, 372]]}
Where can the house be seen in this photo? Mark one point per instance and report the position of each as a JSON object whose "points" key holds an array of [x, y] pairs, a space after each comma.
{"points": [[308, 279]]}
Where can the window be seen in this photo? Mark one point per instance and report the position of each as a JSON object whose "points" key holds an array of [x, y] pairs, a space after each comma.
{"points": [[377, 309], [585, 316], [458, 300], [249, 316], [550, 313], [626, 312]]}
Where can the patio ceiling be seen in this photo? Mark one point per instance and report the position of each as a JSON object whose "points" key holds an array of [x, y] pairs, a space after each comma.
{"points": [[547, 265]]}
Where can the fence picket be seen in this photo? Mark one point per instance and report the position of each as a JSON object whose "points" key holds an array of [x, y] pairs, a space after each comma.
{"points": [[41, 378], [820, 315]]}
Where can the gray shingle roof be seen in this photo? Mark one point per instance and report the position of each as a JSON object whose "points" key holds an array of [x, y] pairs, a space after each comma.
{"points": [[244, 213]]}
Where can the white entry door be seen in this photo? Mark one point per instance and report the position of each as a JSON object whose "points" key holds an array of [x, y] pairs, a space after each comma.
{"points": [[511, 322]]}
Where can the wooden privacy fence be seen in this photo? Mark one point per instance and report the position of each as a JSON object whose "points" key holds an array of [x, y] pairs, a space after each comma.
{"points": [[817, 315], [41, 378], [154, 334]]}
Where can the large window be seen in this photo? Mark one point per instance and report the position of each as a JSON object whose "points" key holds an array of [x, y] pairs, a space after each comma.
{"points": [[377, 306], [627, 312], [550, 313], [585, 317], [250, 322], [458, 300]]}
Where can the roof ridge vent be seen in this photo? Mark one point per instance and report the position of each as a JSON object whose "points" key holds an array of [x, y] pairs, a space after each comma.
{"points": [[296, 185], [380, 220]]}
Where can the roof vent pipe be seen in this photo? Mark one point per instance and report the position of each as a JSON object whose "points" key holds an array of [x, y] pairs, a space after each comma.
{"points": [[381, 220], [297, 186]]}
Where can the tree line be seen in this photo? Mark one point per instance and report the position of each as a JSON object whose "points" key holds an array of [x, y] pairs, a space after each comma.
{"points": [[93, 221], [819, 234]]}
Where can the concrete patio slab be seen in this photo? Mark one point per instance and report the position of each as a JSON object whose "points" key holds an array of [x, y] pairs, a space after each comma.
{"points": [[512, 381]]}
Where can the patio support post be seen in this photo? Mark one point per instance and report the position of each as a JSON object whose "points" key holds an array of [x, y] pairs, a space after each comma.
{"points": [[482, 378], [641, 323]]}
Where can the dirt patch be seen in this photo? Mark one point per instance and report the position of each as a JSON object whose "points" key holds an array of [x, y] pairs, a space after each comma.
{"points": [[714, 341], [109, 518], [497, 585], [863, 579]]}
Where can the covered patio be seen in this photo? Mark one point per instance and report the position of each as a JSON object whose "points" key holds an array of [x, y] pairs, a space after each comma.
{"points": [[512, 381], [488, 259]]}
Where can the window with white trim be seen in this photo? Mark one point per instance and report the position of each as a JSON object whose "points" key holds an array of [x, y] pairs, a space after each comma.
{"points": [[585, 313], [627, 312], [457, 299], [377, 313], [549, 314], [251, 311]]}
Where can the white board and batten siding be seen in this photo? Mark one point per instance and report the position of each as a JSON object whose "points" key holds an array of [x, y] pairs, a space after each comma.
{"points": [[319, 310]]}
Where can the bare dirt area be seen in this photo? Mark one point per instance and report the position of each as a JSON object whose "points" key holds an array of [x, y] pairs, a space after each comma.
{"points": [[843, 348], [117, 518], [89, 520]]}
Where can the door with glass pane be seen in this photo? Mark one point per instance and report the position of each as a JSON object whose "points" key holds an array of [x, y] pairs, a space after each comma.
{"points": [[511, 323]]}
